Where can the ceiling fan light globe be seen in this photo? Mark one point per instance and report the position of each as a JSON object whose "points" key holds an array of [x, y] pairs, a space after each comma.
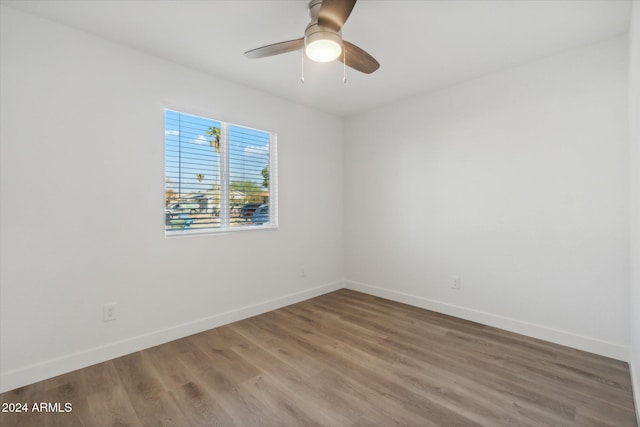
{"points": [[323, 46], [323, 50]]}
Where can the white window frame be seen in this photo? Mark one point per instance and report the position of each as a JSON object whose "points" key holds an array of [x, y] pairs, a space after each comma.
{"points": [[225, 217]]}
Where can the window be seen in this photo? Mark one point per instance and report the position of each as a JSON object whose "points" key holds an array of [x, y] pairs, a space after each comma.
{"points": [[218, 176]]}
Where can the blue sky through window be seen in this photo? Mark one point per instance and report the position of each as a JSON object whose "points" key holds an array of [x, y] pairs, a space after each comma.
{"points": [[192, 164]]}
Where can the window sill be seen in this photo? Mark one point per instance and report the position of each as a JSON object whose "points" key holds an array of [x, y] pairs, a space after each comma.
{"points": [[218, 231]]}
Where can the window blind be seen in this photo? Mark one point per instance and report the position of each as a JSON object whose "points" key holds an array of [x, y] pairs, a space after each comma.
{"points": [[217, 175]]}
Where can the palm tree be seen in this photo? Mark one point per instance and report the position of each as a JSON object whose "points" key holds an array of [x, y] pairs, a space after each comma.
{"points": [[214, 133], [215, 141]]}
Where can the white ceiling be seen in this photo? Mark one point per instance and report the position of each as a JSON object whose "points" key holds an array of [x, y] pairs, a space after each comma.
{"points": [[421, 45]]}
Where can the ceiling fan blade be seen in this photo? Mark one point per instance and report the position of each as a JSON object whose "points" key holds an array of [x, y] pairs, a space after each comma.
{"points": [[275, 49], [358, 59], [334, 13]]}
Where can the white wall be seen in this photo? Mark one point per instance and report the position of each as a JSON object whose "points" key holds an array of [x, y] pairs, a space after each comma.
{"points": [[634, 168], [82, 204], [517, 182]]}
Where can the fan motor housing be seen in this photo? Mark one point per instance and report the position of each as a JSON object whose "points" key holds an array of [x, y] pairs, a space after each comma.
{"points": [[322, 44]]}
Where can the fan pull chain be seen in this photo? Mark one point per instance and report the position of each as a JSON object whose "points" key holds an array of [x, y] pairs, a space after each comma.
{"points": [[344, 65], [302, 68]]}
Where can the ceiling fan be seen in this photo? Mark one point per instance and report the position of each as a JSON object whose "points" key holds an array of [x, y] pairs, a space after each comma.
{"points": [[322, 41]]}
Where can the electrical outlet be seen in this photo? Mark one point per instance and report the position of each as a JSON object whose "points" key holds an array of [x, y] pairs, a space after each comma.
{"points": [[109, 312], [455, 282]]}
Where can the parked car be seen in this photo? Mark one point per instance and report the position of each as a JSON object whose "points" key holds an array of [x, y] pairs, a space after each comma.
{"points": [[182, 208], [247, 210], [261, 215]]}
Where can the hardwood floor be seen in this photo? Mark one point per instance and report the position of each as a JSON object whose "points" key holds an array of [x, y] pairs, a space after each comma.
{"points": [[341, 359]]}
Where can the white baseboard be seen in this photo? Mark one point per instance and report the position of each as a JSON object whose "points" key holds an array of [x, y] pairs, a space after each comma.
{"points": [[51, 368], [592, 345]]}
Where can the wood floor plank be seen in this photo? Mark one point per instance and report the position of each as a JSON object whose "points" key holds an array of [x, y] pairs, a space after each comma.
{"points": [[111, 407], [151, 401], [293, 357], [199, 407], [296, 387], [169, 368], [236, 368], [242, 404], [341, 359]]}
